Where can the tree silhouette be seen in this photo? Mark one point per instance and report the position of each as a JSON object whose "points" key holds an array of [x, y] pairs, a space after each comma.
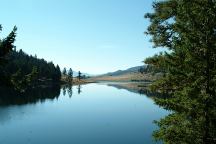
{"points": [[79, 75], [70, 75], [6, 44], [64, 72]]}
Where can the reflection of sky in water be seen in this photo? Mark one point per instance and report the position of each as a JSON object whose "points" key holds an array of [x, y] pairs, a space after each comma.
{"points": [[98, 115]]}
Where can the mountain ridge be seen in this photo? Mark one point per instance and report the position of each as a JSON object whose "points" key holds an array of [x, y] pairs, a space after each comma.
{"points": [[121, 72]]}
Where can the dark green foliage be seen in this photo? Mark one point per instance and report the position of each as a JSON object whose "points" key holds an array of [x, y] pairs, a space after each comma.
{"points": [[6, 44], [188, 30], [64, 72], [46, 70], [19, 70], [149, 68], [70, 75], [23, 71], [56, 76], [20, 82]]}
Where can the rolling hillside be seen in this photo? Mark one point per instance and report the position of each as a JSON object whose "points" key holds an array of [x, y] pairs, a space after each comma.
{"points": [[123, 72], [131, 74]]}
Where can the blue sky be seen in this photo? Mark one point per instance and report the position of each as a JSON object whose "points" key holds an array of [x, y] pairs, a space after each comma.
{"points": [[93, 36]]}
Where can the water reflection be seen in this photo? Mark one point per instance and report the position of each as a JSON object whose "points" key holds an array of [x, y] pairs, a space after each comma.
{"points": [[68, 90], [195, 123], [39, 94], [101, 115], [79, 89], [190, 121], [140, 88]]}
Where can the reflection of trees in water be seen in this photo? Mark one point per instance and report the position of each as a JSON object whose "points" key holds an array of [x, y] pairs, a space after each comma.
{"points": [[79, 89], [192, 121], [39, 94], [64, 90], [69, 89], [149, 93], [136, 89]]}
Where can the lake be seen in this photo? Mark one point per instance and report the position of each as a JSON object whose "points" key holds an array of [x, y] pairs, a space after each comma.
{"points": [[87, 114]]}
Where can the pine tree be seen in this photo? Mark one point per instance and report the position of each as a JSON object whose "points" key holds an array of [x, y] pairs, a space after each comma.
{"points": [[17, 66], [32, 77], [64, 72], [6, 44], [70, 75], [187, 29], [79, 75], [57, 73], [21, 82]]}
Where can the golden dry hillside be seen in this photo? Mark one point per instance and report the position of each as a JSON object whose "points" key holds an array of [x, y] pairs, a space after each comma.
{"points": [[131, 76]]}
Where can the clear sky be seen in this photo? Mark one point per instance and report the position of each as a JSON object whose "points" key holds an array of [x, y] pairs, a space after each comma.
{"points": [[93, 36]]}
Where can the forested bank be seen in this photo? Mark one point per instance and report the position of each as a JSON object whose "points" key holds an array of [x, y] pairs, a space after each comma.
{"points": [[21, 71]]}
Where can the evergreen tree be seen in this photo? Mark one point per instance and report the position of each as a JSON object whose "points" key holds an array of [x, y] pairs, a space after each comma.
{"points": [[32, 77], [6, 46], [79, 75], [64, 72], [70, 75], [57, 73], [17, 81], [21, 83], [187, 29], [19, 70], [46, 71]]}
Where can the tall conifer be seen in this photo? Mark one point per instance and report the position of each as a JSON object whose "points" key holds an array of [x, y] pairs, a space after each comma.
{"points": [[188, 30]]}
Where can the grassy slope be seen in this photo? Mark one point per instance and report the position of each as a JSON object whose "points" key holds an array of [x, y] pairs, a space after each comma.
{"points": [[127, 77]]}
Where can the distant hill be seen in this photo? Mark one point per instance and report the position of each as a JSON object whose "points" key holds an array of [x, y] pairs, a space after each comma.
{"points": [[130, 74], [122, 72]]}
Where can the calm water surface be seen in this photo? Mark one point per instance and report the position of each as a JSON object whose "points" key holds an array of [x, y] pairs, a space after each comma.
{"points": [[88, 114]]}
